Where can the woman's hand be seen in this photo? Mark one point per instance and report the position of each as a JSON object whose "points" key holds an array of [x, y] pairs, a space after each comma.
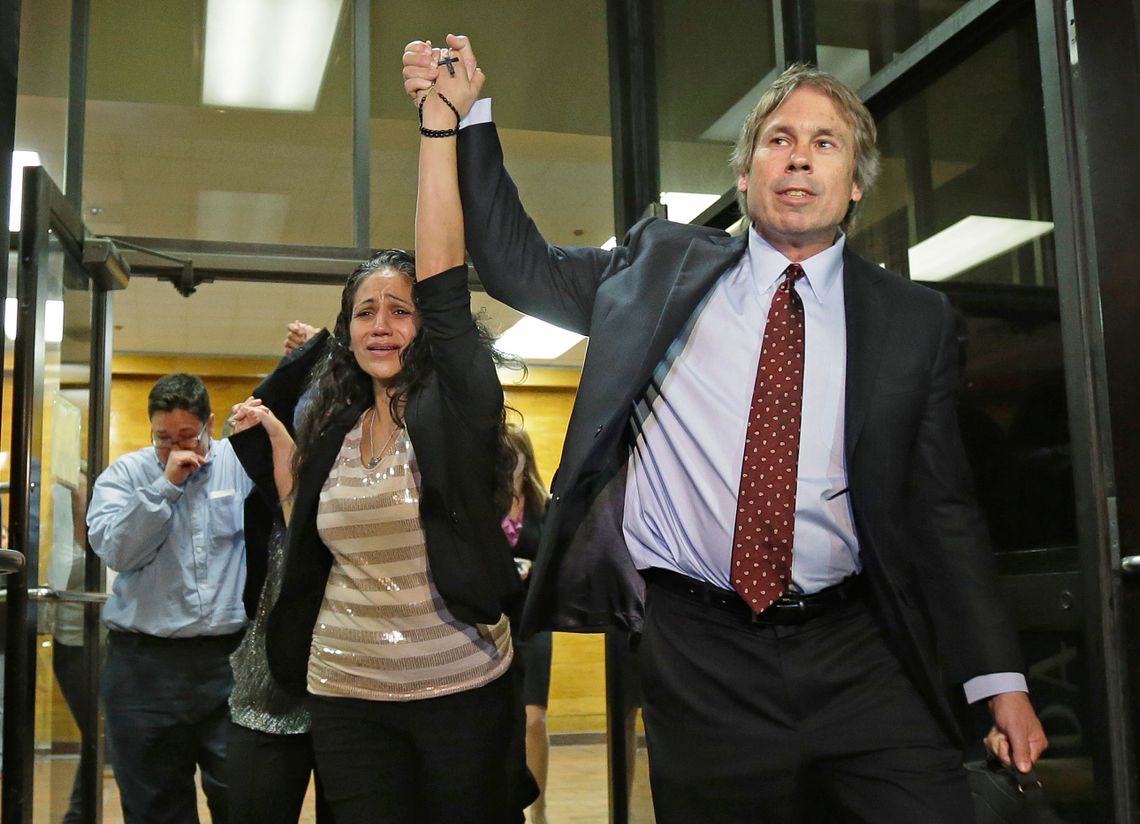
{"points": [[252, 412], [419, 71]]}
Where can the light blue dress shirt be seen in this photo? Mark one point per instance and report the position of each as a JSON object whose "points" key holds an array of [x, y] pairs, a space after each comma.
{"points": [[684, 468], [179, 550]]}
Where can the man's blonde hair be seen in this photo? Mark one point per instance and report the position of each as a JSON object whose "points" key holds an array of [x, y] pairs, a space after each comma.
{"points": [[850, 107]]}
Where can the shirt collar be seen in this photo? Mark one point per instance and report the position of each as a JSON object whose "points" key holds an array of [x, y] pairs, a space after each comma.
{"points": [[821, 271]]}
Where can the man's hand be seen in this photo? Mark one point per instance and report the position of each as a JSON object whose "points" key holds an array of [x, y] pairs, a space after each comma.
{"points": [[298, 333], [1017, 737], [181, 464]]}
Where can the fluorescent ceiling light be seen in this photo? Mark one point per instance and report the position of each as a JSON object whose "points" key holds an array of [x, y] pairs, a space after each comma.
{"points": [[20, 159], [532, 338], [739, 227], [971, 241], [684, 206], [53, 319], [267, 54]]}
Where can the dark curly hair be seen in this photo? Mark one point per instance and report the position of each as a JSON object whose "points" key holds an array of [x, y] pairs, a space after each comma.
{"points": [[338, 381]]}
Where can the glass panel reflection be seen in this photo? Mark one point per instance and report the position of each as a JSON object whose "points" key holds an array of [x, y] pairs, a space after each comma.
{"points": [[953, 202], [5, 478], [964, 204], [550, 86], [256, 167], [701, 105], [855, 40], [58, 514], [42, 93]]}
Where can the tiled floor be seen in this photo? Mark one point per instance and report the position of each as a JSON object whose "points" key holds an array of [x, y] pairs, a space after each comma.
{"points": [[576, 794]]}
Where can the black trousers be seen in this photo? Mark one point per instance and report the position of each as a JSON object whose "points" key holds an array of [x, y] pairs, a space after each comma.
{"points": [[432, 761], [167, 713], [810, 723], [268, 777]]}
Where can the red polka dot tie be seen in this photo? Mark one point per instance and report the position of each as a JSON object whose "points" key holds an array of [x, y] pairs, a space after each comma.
{"points": [[766, 505]]}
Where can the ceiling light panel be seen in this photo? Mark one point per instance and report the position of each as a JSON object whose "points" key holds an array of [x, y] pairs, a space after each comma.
{"points": [[684, 206], [267, 54], [534, 339], [20, 160], [970, 242]]}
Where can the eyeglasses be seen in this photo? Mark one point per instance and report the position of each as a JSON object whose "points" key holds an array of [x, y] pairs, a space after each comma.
{"points": [[184, 443]]}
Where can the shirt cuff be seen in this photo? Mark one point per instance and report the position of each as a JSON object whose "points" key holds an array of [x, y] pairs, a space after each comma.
{"points": [[168, 490], [480, 112], [987, 686]]}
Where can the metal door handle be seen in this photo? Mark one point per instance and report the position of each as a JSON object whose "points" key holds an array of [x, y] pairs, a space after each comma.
{"points": [[65, 597], [10, 561], [1130, 563]]}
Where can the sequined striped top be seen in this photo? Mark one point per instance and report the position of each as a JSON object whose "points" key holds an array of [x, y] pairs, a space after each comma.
{"points": [[383, 632]]}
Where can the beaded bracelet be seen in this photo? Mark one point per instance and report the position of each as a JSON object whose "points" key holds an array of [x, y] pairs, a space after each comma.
{"points": [[438, 132]]}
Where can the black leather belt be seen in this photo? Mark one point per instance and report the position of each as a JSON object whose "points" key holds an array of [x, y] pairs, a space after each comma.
{"points": [[790, 608], [139, 639]]}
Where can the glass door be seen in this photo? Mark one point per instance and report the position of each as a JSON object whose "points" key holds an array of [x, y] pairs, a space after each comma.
{"points": [[58, 320]]}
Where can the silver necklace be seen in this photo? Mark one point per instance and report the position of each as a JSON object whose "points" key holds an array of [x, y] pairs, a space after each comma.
{"points": [[374, 461]]}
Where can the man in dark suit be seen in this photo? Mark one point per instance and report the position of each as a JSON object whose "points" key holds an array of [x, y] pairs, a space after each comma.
{"points": [[763, 475]]}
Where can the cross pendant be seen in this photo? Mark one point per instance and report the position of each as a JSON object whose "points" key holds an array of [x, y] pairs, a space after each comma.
{"points": [[448, 61]]}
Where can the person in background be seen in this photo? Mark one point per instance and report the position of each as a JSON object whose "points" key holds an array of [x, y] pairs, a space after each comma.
{"points": [[270, 758], [523, 527], [168, 519], [397, 573], [66, 572], [297, 333]]}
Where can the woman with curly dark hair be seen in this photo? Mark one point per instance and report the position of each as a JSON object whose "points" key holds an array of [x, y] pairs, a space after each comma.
{"points": [[397, 573]]}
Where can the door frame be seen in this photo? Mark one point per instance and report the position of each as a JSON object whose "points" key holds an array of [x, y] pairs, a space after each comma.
{"points": [[47, 214]]}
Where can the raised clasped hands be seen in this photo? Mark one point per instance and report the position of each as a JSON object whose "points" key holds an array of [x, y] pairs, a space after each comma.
{"points": [[422, 73]]}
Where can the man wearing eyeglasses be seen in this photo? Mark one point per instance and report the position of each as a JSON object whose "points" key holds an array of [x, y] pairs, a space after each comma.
{"points": [[168, 519]]}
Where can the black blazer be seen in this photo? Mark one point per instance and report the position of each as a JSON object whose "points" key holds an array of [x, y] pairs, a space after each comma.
{"points": [[453, 422], [923, 541]]}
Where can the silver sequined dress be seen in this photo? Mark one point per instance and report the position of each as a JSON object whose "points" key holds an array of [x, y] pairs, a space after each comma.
{"points": [[257, 701]]}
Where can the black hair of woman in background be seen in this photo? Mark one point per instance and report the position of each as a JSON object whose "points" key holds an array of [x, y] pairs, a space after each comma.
{"points": [[523, 527]]}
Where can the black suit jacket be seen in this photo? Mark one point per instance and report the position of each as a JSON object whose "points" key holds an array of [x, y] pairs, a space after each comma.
{"points": [[923, 541], [453, 421]]}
